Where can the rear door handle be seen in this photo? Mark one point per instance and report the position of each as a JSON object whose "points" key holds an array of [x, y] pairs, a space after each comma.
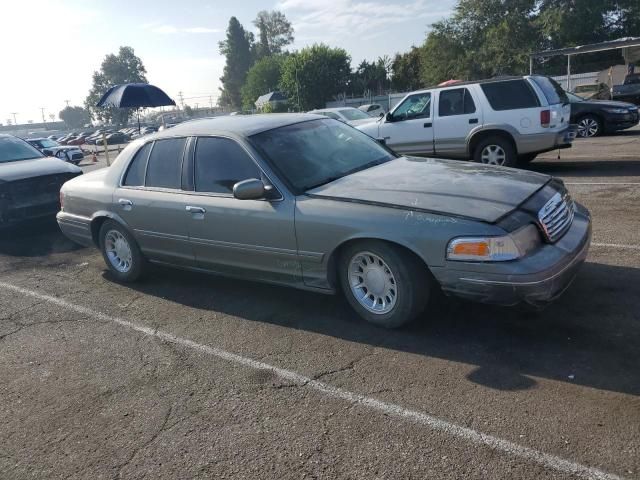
{"points": [[191, 209], [427, 125], [473, 120]]}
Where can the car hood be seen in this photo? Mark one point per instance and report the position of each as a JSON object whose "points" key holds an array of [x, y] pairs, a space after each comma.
{"points": [[10, 171], [449, 187], [362, 121], [609, 103]]}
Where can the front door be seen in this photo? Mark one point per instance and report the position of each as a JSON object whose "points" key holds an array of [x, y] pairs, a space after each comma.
{"points": [[240, 237], [151, 202], [410, 129], [455, 117]]}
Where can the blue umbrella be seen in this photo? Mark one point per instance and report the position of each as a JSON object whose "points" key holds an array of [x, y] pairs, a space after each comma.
{"points": [[134, 95]]}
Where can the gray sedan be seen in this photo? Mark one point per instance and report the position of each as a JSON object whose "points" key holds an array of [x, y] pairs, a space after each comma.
{"points": [[310, 202]]}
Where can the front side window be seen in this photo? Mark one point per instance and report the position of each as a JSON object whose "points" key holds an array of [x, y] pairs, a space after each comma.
{"points": [[414, 106], [137, 168], [165, 163], [13, 149], [510, 95], [457, 101], [313, 153], [220, 163]]}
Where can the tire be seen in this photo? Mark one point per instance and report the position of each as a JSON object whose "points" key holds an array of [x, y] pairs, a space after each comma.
{"points": [[589, 126], [527, 158], [395, 274], [495, 150], [118, 247]]}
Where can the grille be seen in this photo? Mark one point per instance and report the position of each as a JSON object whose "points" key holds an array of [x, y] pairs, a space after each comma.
{"points": [[25, 191], [556, 216]]}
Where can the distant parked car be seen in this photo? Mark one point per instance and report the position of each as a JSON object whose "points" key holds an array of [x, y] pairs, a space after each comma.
{"points": [[349, 115], [310, 202], [29, 181], [593, 91], [596, 117], [373, 109], [629, 91], [52, 148], [502, 121]]}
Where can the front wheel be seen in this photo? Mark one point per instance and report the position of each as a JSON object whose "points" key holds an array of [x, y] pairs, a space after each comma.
{"points": [[120, 252], [495, 151], [384, 284]]}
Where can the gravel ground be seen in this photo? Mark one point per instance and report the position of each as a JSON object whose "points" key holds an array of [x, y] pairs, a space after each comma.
{"points": [[186, 375]]}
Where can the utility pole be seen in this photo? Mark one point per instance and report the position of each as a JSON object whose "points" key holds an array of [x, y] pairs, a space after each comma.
{"points": [[67, 102], [181, 97], [211, 103], [44, 120], [15, 122]]}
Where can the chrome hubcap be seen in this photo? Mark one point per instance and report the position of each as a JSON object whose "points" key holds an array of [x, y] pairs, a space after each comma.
{"points": [[372, 283], [587, 127], [118, 251], [493, 155]]}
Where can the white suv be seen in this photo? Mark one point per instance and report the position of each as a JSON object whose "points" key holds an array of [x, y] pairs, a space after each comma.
{"points": [[499, 122]]}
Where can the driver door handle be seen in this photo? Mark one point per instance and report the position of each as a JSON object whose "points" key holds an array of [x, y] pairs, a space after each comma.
{"points": [[192, 209]]}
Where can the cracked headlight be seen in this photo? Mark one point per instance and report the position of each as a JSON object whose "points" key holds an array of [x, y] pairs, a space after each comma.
{"points": [[495, 249]]}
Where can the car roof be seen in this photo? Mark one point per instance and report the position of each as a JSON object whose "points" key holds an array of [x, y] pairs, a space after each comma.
{"points": [[237, 125], [475, 82]]}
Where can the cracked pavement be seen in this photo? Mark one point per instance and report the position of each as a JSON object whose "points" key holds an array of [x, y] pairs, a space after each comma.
{"points": [[82, 397]]}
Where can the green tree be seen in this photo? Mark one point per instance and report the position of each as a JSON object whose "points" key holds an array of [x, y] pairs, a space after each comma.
{"points": [[406, 69], [237, 48], [124, 67], [263, 77], [274, 33], [188, 111], [75, 117], [370, 78], [314, 75]]}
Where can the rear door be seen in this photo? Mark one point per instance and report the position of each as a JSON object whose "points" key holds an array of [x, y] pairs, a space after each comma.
{"points": [[410, 129], [151, 202], [455, 116], [242, 237]]}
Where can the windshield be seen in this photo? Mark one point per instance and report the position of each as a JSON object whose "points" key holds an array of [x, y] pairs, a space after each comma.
{"points": [[354, 114], [310, 154], [46, 143], [13, 149], [574, 98]]}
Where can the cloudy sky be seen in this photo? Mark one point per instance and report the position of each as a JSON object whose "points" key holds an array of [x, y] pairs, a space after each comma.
{"points": [[49, 48]]}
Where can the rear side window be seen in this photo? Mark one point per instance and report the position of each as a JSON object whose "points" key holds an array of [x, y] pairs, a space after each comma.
{"points": [[457, 101], [552, 90], [137, 167], [510, 95], [165, 163], [220, 163]]}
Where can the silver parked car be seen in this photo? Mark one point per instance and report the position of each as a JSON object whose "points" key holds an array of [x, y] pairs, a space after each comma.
{"points": [[310, 202]]}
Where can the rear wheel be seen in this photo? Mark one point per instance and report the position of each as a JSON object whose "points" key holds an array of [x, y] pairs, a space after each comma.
{"points": [[384, 284], [120, 252], [589, 126], [495, 151]]}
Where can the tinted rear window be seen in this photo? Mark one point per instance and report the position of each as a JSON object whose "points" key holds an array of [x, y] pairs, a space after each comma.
{"points": [[135, 174], [510, 95], [551, 89], [165, 163]]}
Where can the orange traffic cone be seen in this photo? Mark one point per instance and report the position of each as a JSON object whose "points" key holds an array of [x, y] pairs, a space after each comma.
{"points": [[94, 159]]}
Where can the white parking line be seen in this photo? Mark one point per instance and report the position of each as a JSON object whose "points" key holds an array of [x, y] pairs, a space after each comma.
{"points": [[545, 459], [615, 245]]}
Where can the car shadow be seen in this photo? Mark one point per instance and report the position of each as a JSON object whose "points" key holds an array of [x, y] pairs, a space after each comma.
{"points": [[590, 336], [598, 168], [35, 239]]}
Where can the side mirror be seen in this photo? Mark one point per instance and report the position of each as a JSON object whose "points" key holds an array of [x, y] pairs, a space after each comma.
{"points": [[388, 117], [251, 189], [381, 141]]}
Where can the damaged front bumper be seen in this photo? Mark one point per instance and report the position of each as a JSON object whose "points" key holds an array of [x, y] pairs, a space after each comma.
{"points": [[536, 279]]}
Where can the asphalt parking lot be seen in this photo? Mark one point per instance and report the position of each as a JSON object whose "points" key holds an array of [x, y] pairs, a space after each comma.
{"points": [[186, 375]]}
